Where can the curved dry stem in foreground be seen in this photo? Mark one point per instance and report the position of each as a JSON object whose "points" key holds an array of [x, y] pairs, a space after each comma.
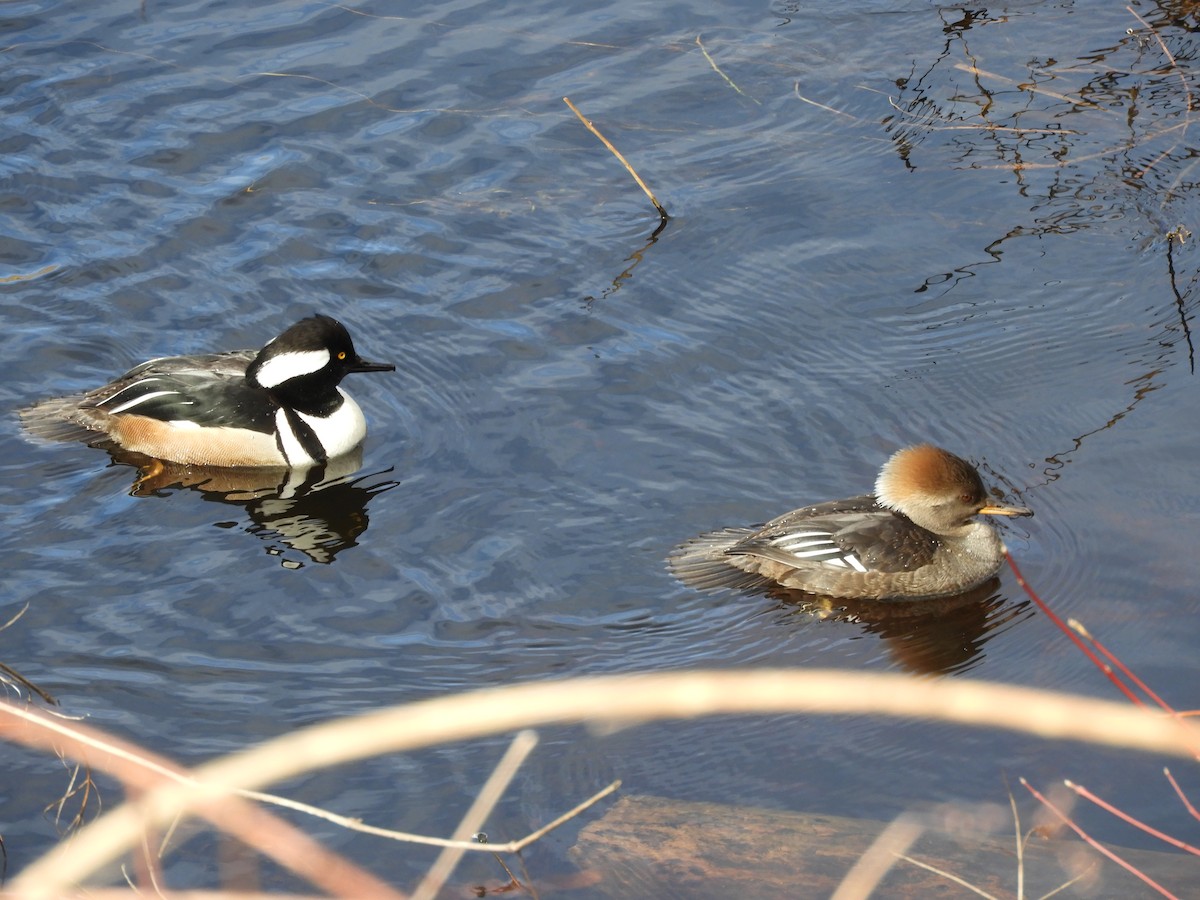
{"points": [[609, 700]]}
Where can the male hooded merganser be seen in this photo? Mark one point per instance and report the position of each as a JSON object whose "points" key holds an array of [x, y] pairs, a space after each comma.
{"points": [[914, 538], [279, 406]]}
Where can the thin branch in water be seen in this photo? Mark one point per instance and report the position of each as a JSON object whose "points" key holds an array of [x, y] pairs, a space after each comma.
{"points": [[1116, 661], [1076, 639], [1095, 844], [352, 824], [796, 89], [565, 817], [1182, 797], [1012, 802], [1174, 65], [1032, 88], [1180, 234], [712, 62], [1125, 817], [949, 875], [24, 609], [520, 748], [617, 153], [27, 684], [13, 673], [877, 860], [1066, 884], [82, 790]]}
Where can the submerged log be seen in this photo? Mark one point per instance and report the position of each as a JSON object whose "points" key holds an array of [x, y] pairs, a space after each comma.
{"points": [[653, 847]]}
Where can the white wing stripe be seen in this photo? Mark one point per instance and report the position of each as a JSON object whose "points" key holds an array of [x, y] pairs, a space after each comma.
{"points": [[813, 554], [133, 386], [854, 563], [789, 542], [136, 401]]}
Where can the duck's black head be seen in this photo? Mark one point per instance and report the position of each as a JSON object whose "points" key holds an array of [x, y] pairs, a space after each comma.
{"points": [[304, 365]]}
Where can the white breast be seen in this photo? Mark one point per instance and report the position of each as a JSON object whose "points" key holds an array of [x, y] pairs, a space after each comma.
{"points": [[339, 433]]}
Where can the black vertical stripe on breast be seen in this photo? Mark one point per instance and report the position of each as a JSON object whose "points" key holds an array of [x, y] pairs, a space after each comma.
{"points": [[305, 436]]}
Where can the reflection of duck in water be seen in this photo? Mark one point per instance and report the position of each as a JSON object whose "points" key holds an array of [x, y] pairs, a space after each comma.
{"points": [[319, 511], [277, 407], [916, 537], [932, 636]]}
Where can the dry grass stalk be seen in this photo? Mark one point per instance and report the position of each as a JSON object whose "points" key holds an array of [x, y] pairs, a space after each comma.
{"points": [[870, 868], [800, 96], [712, 62], [485, 801], [617, 153], [141, 771], [620, 699]]}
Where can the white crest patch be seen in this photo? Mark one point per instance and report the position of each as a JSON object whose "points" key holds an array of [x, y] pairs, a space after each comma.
{"points": [[286, 366]]}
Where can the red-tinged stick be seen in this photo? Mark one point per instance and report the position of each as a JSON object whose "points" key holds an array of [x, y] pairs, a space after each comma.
{"points": [[1111, 657], [1182, 797], [1087, 651], [1136, 823], [1133, 870]]}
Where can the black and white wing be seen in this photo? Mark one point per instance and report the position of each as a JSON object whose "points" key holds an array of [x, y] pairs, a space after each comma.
{"points": [[838, 534]]}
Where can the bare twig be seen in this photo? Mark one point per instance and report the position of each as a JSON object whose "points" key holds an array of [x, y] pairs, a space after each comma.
{"points": [[1032, 88], [1182, 796], [950, 876], [1012, 802], [141, 770], [617, 153], [1116, 661], [712, 62], [800, 96], [1126, 817], [1095, 844], [1070, 633], [870, 868], [1161, 43], [565, 817], [485, 801], [600, 699]]}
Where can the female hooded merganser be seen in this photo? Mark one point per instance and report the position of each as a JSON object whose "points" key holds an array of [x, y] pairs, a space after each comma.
{"points": [[914, 538], [279, 406]]}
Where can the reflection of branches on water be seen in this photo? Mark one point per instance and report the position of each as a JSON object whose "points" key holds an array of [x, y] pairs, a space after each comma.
{"points": [[1129, 109], [634, 259], [10, 677], [1180, 234], [1143, 385]]}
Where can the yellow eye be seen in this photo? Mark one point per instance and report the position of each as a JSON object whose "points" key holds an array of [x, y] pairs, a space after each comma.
{"points": [[341, 354]]}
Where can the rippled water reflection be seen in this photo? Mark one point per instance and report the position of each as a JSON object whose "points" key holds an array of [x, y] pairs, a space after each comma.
{"points": [[900, 226]]}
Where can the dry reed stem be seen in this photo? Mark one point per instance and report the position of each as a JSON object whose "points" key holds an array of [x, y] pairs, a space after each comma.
{"points": [[877, 860], [1171, 56], [617, 153], [615, 699], [485, 801], [1032, 88], [796, 89], [142, 771], [950, 876], [712, 62]]}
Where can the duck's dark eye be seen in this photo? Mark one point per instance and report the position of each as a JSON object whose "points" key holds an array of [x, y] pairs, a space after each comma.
{"points": [[341, 354], [966, 498]]}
